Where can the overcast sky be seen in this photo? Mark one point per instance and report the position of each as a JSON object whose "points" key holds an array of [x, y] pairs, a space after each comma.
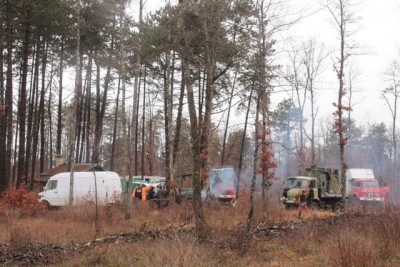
{"points": [[378, 37]]}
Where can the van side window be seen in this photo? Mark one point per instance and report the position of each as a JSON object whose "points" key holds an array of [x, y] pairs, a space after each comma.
{"points": [[52, 185]]}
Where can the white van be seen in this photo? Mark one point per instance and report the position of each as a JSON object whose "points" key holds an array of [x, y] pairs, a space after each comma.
{"points": [[56, 191]]}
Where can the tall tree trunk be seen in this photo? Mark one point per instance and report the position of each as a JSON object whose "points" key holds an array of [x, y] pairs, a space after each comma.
{"points": [[149, 154], [32, 119], [242, 144], [38, 110], [14, 159], [264, 149], [136, 95], [253, 181], [50, 128], [144, 117], [201, 226], [42, 108], [179, 118], [341, 129], [60, 99], [22, 100], [7, 118], [168, 102], [313, 116], [37, 121], [136, 128], [79, 110], [101, 102], [114, 136], [88, 107], [98, 131], [394, 139], [126, 153], [227, 120], [77, 96], [2, 111]]}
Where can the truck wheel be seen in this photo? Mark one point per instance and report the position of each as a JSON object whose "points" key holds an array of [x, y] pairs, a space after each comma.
{"points": [[337, 207], [46, 205]]}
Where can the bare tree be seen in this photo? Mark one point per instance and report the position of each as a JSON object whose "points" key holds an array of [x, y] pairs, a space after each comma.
{"points": [[391, 96], [297, 81], [343, 19], [312, 58]]}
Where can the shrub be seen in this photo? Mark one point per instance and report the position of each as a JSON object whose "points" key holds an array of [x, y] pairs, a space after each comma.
{"points": [[22, 201], [351, 248]]}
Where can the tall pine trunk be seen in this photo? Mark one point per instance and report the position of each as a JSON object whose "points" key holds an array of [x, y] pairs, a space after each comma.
{"points": [[6, 141], [42, 109], [179, 118], [22, 100], [60, 99], [246, 242], [201, 226], [32, 118], [242, 145]]}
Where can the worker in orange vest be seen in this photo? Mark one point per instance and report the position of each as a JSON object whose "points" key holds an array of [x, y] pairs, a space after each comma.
{"points": [[140, 192]]}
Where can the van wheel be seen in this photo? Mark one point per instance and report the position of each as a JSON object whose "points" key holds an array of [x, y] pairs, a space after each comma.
{"points": [[46, 205]]}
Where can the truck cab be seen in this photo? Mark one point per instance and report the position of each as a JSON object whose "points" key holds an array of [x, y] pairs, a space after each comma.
{"points": [[362, 186], [293, 188]]}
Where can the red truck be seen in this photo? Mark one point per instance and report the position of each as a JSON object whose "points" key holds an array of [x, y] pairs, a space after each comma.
{"points": [[362, 186]]}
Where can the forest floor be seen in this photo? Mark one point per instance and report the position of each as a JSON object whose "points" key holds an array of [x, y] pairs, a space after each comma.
{"points": [[152, 237]]}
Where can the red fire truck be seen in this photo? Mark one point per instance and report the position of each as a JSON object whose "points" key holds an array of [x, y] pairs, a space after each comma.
{"points": [[362, 186]]}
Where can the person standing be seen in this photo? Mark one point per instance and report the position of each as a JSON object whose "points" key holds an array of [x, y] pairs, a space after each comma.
{"points": [[137, 192], [302, 202]]}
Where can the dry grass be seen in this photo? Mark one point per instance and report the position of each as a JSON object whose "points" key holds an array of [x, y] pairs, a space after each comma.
{"points": [[363, 237]]}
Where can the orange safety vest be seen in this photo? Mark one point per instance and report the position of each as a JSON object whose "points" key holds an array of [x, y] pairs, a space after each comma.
{"points": [[144, 190]]}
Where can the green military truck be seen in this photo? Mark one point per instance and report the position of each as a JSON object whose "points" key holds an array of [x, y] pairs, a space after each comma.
{"points": [[322, 187]]}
